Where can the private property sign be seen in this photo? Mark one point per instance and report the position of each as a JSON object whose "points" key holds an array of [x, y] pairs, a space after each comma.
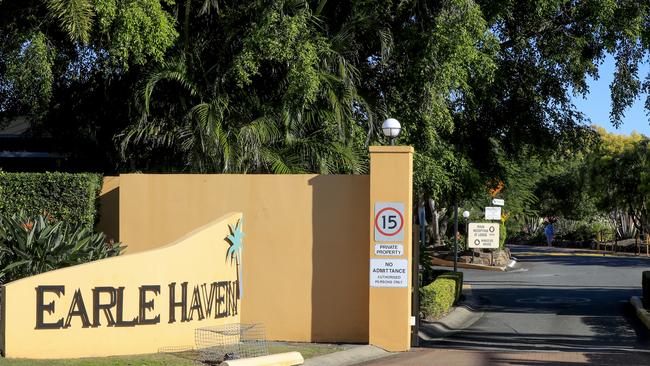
{"points": [[389, 249], [483, 235]]}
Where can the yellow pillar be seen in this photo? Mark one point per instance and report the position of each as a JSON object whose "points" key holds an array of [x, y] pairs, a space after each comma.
{"points": [[391, 195]]}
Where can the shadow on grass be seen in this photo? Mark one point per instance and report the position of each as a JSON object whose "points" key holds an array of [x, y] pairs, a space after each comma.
{"points": [[307, 350]]}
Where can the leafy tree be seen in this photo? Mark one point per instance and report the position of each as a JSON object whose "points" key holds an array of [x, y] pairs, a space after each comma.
{"points": [[48, 45], [619, 176], [278, 97], [301, 85]]}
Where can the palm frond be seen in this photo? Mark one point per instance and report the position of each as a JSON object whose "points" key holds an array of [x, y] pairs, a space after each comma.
{"points": [[174, 72], [75, 16]]}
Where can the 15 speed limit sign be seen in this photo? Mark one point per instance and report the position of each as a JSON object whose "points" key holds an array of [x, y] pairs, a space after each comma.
{"points": [[389, 221]]}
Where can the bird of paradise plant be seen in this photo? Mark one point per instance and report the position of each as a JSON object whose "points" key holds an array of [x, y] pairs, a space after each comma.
{"points": [[235, 250]]}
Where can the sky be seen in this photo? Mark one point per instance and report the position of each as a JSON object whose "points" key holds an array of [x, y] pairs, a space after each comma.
{"points": [[597, 104]]}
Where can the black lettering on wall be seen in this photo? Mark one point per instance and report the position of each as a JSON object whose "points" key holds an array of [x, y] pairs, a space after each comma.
{"points": [[235, 298], [196, 305], [77, 308], [221, 297], [228, 288], [147, 305], [173, 304], [120, 311], [106, 308], [209, 300], [231, 300], [40, 307]]}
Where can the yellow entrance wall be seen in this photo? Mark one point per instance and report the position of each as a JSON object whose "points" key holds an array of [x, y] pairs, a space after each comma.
{"points": [[305, 256], [198, 258], [109, 208]]}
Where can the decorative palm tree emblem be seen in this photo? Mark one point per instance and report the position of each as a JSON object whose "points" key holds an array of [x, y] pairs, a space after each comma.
{"points": [[235, 250]]}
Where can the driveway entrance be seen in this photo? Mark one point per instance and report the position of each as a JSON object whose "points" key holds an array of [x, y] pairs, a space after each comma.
{"points": [[557, 307]]}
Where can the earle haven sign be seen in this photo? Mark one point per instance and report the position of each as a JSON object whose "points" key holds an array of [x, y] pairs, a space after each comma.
{"points": [[130, 304], [106, 305]]}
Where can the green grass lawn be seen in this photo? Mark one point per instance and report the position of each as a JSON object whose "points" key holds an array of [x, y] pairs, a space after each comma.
{"points": [[158, 359], [307, 350]]}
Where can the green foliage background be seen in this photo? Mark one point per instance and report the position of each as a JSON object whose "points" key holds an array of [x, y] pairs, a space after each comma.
{"points": [[483, 88], [68, 197]]}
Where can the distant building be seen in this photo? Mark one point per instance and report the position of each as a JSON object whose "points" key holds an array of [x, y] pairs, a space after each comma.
{"points": [[21, 151]]}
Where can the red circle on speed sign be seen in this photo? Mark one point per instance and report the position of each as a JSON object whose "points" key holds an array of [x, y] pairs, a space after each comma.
{"points": [[401, 221]]}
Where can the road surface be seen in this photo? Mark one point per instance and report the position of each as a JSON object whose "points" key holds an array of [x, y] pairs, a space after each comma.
{"points": [[555, 308]]}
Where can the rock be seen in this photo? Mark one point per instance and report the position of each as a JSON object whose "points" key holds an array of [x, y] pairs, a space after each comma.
{"points": [[502, 258]]}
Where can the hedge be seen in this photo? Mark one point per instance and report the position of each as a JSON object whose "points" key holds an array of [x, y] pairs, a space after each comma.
{"points": [[63, 196], [437, 297], [457, 277], [503, 235]]}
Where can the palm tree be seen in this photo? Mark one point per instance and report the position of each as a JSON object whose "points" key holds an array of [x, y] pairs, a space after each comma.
{"points": [[235, 251], [280, 122], [74, 16]]}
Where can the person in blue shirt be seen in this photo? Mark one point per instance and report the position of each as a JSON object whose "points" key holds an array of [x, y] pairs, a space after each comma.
{"points": [[549, 231]]}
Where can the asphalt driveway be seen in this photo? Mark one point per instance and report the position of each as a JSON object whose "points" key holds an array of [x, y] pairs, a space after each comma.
{"points": [[557, 307]]}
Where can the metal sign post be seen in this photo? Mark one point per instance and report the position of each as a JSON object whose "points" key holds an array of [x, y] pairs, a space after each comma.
{"points": [[455, 234], [415, 303]]}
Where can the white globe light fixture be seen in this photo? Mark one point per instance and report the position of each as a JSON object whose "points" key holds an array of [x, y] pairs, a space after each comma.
{"points": [[466, 214], [391, 129]]}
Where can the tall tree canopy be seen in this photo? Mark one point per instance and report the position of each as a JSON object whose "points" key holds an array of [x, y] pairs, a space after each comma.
{"points": [[302, 85], [49, 44]]}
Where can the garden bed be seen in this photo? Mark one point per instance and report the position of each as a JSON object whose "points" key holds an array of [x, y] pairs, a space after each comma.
{"points": [[496, 258]]}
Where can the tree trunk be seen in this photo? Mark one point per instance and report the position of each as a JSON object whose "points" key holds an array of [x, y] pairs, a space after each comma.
{"points": [[433, 224]]}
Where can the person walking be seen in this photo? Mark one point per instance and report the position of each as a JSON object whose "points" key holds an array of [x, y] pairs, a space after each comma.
{"points": [[549, 231]]}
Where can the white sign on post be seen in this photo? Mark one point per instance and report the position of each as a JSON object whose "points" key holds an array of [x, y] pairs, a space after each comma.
{"points": [[493, 213], [483, 235], [389, 249], [389, 221], [498, 202], [389, 273]]}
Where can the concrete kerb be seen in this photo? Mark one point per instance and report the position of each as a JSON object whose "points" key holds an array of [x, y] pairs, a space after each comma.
{"points": [[351, 356], [446, 263], [641, 312], [461, 317]]}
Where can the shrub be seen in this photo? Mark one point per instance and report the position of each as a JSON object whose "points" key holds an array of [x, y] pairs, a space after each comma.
{"points": [[593, 228], [457, 277], [437, 298], [63, 196], [448, 241], [433, 274], [29, 246]]}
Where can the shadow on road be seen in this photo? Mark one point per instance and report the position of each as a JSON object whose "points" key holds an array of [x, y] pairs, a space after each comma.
{"points": [[552, 299], [577, 260], [534, 319], [595, 358]]}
